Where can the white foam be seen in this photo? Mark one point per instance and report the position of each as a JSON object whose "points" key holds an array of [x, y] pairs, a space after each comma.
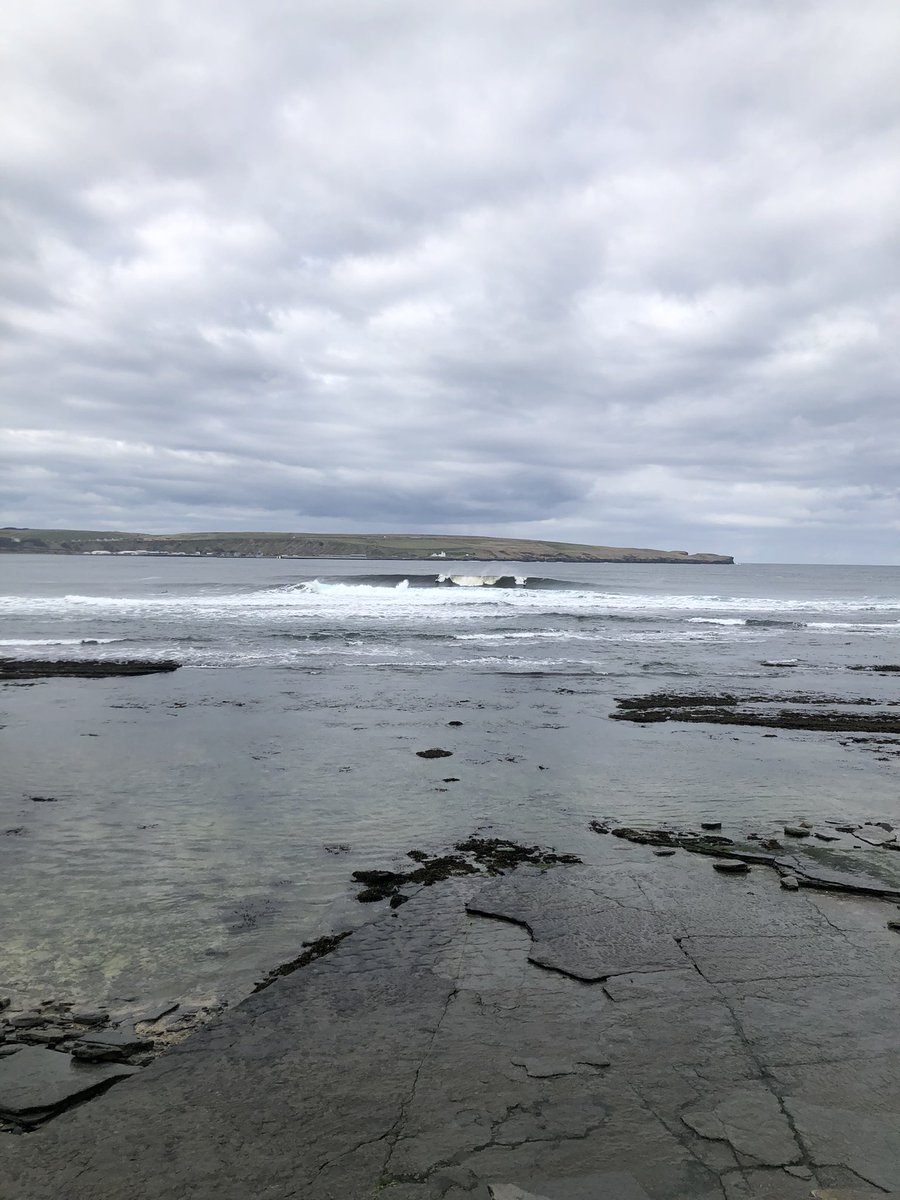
{"points": [[531, 635], [480, 580], [716, 621], [58, 641], [856, 625], [468, 605]]}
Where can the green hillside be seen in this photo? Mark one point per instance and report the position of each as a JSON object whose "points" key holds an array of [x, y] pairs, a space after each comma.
{"points": [[332, 545]]}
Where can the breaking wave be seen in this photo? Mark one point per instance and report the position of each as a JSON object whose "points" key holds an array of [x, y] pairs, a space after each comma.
{"points": [[403, 582]]}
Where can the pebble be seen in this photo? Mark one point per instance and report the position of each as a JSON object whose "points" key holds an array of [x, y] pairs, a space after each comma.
{"points": [[732, 866], [894, 925], [5, 1002], [710, 824], [663, 853], [790, 883], [7, 1050], [796, 831]]}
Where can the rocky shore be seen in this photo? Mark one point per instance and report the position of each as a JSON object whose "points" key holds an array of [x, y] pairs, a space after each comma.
{"points": [[646, 1028], [93, 1047]]}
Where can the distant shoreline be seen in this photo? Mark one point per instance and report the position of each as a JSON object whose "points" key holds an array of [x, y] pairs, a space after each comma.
{"points": [[435, 548]]}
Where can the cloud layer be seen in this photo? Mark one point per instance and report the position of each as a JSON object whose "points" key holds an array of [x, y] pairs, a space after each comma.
{"points": [[616, 272]]}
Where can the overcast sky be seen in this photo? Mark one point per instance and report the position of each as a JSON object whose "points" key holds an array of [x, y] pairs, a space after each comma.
{"points": [[620, 272]]}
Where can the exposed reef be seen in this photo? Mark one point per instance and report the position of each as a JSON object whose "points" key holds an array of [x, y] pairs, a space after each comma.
{"points": [[45, 668], [762, 711]]}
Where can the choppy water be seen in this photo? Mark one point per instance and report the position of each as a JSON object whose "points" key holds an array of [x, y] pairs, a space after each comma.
{"points": [[186, 850]]}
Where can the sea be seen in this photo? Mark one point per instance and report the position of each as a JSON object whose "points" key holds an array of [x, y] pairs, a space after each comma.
{"points": [[174, 836]]}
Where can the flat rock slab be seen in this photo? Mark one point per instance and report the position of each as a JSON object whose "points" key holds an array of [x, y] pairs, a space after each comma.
{"points": [[860, 878], [751, 1120], [35, 1083], [875, 836], [434, 1056], [112, 1045], [579, 930], [868, 1142], [610, 1185]]}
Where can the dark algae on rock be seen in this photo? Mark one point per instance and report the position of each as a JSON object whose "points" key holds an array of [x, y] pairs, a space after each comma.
{"points": [[45, 668], [492, 856], [761, 711], [317, 949]]}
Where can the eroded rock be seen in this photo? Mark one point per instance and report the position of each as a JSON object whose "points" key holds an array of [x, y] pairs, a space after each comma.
{"points": [[112, 1045], [36, 1083]]}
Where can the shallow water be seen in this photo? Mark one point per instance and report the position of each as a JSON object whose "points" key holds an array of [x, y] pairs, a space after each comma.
{"points": [[185, 852]]}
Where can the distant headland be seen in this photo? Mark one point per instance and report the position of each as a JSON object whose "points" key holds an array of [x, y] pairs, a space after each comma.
{"points": [[459, 547]]}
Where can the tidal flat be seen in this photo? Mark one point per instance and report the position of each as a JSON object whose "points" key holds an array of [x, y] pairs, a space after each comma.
{"points": [[173, 837]]}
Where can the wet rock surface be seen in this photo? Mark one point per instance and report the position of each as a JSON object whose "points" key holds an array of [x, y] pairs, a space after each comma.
{"points": [[761, 710], [643, 1031], [112, 1045], [819, 861], [81, 1038], [45, 668], [37, 1083]]}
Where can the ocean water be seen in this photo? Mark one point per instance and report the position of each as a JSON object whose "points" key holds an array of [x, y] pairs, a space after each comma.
{"points": [[204, 823]]}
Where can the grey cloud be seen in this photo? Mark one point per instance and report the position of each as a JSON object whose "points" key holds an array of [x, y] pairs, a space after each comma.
{"points": [[614, 272]]}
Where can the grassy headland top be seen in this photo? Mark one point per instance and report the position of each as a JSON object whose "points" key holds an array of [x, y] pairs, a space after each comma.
{"points": [[331, 545]]}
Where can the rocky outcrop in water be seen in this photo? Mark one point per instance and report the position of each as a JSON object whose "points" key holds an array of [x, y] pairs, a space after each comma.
{"points": [[45, 668], [760, 711]]}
